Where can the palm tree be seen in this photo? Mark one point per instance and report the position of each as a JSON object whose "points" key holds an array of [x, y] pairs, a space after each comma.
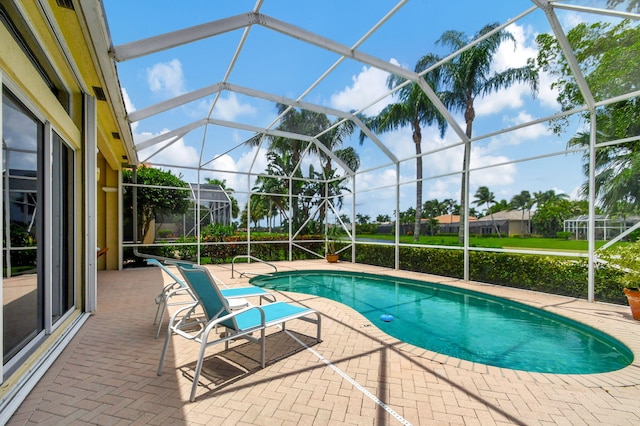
{"points": [[617, 167], [430, 210], [521, 202], [499, 206], [290, 150], [382, 218], [313, 123], [450, 207], [485, 197], [275, 186], [632, 5], [334, 182], [413, 109], [470, 75], [362, 219], [543, 197]]}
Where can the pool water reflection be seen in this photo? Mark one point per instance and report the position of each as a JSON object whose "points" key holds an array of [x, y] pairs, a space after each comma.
{"points": [[464, 324]]}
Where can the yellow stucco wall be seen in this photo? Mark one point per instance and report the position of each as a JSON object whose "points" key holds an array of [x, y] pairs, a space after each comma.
{"points": [[21, 77]]}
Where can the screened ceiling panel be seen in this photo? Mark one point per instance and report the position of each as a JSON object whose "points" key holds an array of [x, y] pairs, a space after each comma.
{"points": [[218, 85]]}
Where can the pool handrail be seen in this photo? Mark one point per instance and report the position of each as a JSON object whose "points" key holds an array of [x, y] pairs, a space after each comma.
{"points": [[248, 256]]}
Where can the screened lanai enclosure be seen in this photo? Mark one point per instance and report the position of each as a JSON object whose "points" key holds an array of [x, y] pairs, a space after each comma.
{"points": [[315, 117]]}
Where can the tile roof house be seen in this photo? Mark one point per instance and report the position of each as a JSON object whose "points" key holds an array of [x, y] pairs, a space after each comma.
{"points": [[506, 222]]}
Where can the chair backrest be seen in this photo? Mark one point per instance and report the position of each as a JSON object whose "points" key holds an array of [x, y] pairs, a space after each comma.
{"points": [[206, 291], [167, 271]]}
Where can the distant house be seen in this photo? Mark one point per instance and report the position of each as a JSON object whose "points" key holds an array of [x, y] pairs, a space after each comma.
{"points": [[507, 222], [447, 224], [450, 223]]}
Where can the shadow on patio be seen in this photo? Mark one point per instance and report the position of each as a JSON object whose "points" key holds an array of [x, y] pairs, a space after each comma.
{"points": [[356, 375]]}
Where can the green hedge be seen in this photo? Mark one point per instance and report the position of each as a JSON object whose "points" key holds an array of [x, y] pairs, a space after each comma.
{"points": [[546, 274]]}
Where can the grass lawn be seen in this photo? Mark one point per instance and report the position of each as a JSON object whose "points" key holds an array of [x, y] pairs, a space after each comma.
{"points": [[552, 244]]}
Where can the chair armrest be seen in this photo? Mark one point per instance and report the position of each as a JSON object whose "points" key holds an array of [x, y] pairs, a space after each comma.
{"points": [[218, 321], [179, 290], [179, 320]]}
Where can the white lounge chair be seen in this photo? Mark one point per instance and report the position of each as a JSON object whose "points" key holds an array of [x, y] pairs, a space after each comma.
{"points": [[248, 323], [235, 296]]}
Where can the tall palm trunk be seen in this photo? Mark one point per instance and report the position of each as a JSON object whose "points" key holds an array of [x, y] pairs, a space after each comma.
{"points": [[296, 219], [417, 140], [469, 116]]}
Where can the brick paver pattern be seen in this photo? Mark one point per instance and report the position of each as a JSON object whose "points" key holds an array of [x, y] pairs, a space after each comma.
{"points": [[107, 374]]}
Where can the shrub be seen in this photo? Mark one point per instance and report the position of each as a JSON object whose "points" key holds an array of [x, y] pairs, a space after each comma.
{"points": [[567, 277], [626, 260]]}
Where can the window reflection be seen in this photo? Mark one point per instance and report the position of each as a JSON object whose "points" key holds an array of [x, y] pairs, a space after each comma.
{"points": [[22, 138], [62, 282]]}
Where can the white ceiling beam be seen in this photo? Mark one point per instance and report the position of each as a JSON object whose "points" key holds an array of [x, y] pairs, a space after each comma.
{"points": [[165, 146], [188, 35], [179, 132], [256, 129], [95, 20], [314, 108], [218, 87], [567, 50], [327, 44], [283, 134], [173, 103], [136, 49], [598, 11]]}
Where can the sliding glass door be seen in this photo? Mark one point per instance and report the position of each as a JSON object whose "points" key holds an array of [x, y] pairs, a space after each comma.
{"points": [[22, 285], [38, 228]]}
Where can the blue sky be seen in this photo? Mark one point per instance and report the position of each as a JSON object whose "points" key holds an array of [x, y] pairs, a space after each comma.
{"points": [[274, 63]]}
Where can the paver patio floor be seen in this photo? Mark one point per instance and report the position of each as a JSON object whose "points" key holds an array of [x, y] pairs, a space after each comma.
{"points": [[357, 375]]}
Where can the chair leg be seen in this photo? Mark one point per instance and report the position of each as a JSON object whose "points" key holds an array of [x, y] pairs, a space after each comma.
{"points": [[196, 373], [164, 351], [262, 346], [159, 303], [164, 306]]}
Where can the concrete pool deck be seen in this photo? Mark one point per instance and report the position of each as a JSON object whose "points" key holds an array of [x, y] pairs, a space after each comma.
{"points": [[357, 375]]}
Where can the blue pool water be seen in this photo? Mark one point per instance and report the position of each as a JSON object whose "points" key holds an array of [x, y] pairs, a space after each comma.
{"points": [[464, 324]]}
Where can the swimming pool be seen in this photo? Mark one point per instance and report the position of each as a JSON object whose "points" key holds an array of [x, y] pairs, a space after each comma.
{"points": [[464, 324]]}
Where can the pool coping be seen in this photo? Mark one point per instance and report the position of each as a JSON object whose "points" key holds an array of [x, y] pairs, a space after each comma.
{"points": [[615, 320], [107, 374]]}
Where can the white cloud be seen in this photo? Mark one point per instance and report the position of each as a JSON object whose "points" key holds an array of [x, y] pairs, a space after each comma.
{"points": [[177, 153], [367, 86], [129, 108], [230, 108], [445, 161], [442, 189], [548, 96], [510, 56], [519, 136], [373, 179], [514, 56], [128, 104], [494, 176], [166, 79]]}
